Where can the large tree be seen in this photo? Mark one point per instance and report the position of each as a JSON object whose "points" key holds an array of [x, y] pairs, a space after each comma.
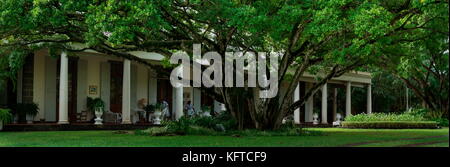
{"points": [[328, 37], [423, 65]]}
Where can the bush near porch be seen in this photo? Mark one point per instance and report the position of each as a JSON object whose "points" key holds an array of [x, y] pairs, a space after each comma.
{"points": [[221, 125], [389, 121], [391, 125]]}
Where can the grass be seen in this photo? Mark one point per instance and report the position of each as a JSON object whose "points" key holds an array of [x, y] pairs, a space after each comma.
{"points": [[331, 137]]}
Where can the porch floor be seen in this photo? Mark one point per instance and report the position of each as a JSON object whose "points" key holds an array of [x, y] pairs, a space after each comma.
{"points": [[74, 126]]}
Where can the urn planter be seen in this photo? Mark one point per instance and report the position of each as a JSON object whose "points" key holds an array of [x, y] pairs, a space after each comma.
{"points": [[30, 118], [315, 119], [206, 114], [157, 119], [98, 115]]}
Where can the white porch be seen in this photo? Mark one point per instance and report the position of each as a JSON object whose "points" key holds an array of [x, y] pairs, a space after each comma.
{"points": [[348, 81]]}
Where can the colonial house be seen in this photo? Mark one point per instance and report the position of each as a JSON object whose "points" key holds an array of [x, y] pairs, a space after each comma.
{"points": [[61, 85]]}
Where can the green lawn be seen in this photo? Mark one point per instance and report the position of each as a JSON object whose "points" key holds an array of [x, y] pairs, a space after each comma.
{"points": [[330, 137]]}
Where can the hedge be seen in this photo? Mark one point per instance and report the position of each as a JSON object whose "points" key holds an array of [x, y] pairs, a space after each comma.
{"points": [[391, 125]]}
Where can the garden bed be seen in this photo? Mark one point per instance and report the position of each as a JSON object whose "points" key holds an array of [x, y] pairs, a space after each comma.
{"points": [[391, 125]]}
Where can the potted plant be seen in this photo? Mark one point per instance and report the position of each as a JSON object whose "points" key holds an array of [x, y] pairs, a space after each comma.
{"points": [[158, 107], [149, 109], [316, 118], [27, 112], [206, 111], [5, 117], [97, 106], [14, 115]]}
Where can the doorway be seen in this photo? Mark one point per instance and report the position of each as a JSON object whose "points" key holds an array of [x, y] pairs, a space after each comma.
{"points": [[164, 92], [116, 86]]}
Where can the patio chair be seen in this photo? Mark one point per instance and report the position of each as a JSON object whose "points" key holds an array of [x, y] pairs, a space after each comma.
{"points": [[112, 117]]}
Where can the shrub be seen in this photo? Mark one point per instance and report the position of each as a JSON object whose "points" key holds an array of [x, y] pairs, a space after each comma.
{"points": [[207, 122], [391, 125], [289, 124], [430, 115], [23, 109], [5, 115], [280, 132], [198, 130], [180, 126], [383, 117], [154, 131], [227, 120], [441, 121]]}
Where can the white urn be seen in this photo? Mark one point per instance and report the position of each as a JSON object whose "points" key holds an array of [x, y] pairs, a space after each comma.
{"points": [[30, 118], [98, 115], [206, 114], [157, 119], [315, 119], [338, 120]]}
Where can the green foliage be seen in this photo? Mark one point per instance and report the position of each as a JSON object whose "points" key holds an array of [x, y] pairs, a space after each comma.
{"points": [[180, 126], [27, 108], [346, 34], [94, 103], [206, 109], [154, 131], [158, 107], [383, 117], [390, 124], [199, 130], [5, 115], [281, 132], [149, 108], [208, 126], [430, 115], [441, 121]]}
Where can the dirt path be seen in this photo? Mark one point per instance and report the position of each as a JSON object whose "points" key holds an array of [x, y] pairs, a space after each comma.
{"points": [[384, 141]]}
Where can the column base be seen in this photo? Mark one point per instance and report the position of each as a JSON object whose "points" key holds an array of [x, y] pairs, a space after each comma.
{"points": [[63, 122]]}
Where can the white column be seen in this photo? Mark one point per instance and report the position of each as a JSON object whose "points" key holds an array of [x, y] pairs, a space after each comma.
{"points": [[369, 99], [309, 106], [324, 104], [297, 98], [334, 103], [348, 99], [126, 93], [178, 102], [63, 89]]}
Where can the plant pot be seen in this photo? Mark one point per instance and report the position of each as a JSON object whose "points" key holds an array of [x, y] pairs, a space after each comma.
{"points": [[98, 115], [338, 120], [30, 118], [1, 125], [315, 119], [16, 118], [206, 114], [157, 119]]}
